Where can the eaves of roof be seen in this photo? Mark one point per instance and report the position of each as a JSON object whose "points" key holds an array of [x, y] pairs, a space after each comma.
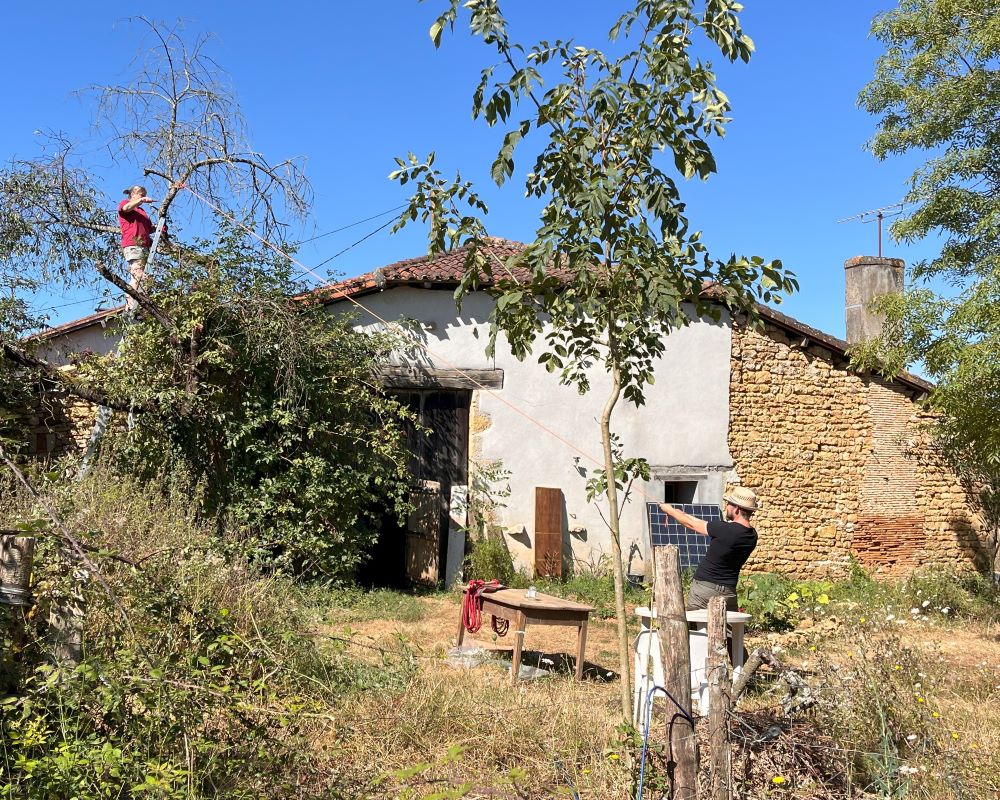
{"points": [[446, 270], [97, 318], [832, 343]]}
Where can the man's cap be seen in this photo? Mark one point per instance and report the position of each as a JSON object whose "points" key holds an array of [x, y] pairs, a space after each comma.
{"points": [[742, 497]]}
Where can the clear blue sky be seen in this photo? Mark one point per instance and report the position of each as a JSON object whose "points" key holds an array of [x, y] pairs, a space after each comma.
{"points": [[351, 85]]}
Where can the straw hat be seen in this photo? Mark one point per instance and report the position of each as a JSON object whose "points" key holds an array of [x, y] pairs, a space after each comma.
{"points": [[742, 497]]}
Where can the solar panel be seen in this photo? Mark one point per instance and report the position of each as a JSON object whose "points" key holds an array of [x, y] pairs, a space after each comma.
{"points": [[693, 547]]}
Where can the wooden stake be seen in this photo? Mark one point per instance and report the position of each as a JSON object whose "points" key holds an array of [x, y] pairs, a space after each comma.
{"points": [[675, 652], [718, 700]]}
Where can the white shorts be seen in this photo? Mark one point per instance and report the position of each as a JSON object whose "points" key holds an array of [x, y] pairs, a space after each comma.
{"points": [[135, 253]]}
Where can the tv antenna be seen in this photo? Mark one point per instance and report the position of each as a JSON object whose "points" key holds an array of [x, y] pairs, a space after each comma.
{"points": [[877, 215]]}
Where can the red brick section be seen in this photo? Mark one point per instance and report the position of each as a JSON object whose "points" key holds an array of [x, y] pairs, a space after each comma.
{"points": [[889, 534]]}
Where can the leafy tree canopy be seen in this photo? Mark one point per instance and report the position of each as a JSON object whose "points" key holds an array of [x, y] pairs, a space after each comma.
{"points": [[937, 90], [615, 262], [270, 406]]}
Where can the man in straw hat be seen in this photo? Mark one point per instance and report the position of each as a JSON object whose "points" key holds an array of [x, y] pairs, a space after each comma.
{"points": [[732, 542]]}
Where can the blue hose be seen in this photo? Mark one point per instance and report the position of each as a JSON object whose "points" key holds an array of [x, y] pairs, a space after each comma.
{"points": [[645, 731], [645, 735]]}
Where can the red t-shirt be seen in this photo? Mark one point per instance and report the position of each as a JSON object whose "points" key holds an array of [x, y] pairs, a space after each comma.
{"points": [[137, 228]]}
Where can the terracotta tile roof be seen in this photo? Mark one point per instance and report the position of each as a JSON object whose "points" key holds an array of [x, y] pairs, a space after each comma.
{"points": [[446, 270], [98, 317]]}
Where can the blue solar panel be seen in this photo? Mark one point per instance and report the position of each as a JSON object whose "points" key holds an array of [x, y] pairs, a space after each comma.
{"points": [[663, 530]]}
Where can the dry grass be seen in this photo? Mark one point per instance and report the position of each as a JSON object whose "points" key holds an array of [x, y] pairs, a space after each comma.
{"points": [[552, 737], [523, 740]]}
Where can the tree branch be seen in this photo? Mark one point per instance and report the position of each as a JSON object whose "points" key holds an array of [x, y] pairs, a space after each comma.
{"points": [[19, 357], [144, 302]]}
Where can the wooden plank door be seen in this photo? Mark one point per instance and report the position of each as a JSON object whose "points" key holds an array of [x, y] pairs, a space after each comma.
{"points": [[423, 534], [548, 532]]}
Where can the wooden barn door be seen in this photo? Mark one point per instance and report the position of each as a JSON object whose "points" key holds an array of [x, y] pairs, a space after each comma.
{"points": [[548, 532], [440, 464]]}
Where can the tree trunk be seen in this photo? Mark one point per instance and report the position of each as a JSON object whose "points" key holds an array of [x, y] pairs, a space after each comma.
{"points": [[675, 652], [718, 700], [617, 569]]}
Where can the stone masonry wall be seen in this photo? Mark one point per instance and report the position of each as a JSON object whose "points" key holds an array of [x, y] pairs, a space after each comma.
{"points": [[841, 465], [58, 425]]}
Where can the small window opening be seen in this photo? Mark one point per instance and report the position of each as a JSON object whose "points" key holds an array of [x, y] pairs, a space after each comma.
{"points": [[679, 491]]}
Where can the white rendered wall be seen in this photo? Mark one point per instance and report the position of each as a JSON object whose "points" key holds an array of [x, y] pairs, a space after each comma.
{"points": [[96, 338], [681, 430]]}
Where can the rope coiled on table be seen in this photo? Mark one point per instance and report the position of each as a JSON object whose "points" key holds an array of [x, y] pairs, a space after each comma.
{"points": [[472, 607]]}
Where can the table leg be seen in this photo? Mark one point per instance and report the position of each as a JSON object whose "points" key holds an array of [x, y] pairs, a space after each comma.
{"points": [[461, 624], [581, 646], [519, 623]]}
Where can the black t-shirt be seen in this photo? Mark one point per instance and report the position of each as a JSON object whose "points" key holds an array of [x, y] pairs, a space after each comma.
{"points": [[730, 546]]}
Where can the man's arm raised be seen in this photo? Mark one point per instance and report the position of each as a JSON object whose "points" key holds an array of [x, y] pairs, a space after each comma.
{"points": [[695, 524]]}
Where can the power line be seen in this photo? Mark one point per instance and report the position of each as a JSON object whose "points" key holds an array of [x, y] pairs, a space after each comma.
{"points": [[349, 247], [351, 225]]}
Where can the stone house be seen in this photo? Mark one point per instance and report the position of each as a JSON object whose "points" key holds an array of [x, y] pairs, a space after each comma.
{"points": [[839, 460]]}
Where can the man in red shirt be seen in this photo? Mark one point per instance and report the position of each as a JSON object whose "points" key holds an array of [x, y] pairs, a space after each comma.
{"points": [[137, 234]]}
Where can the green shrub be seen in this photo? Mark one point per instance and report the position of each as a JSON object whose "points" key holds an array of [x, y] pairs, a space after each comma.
{"points": [[201, 679], [945, 593], [490, 559], [763, 596], [777, 603]]}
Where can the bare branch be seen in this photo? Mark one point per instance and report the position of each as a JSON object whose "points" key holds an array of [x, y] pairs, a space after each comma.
{"points": [[144, 302]]}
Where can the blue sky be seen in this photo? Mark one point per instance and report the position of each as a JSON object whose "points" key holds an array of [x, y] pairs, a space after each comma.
{"points": [[351, 85]]}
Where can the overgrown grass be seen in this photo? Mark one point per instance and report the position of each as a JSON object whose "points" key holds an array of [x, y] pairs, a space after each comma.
{"points": [[199, 677], [223, 683], [352, 604]]}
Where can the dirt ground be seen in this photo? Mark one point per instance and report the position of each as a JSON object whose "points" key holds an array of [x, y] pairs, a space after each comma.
{"points": [[435, 633]]}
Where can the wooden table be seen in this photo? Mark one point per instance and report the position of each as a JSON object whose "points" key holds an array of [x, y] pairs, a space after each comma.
{"points": [[543, 609]]}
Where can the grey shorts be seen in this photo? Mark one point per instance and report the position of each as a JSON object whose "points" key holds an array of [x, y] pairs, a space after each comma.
{"points": [[135, 253], [701, 592]]}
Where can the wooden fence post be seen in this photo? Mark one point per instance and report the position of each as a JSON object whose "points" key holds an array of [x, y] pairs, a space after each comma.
{"points": [[675, 652], [718, 700]]}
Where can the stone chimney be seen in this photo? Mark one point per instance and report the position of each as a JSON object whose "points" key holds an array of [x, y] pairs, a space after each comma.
{"points": [[868, 277]]}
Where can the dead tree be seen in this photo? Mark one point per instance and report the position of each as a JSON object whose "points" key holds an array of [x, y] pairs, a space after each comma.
{"points": [[178, 124]]}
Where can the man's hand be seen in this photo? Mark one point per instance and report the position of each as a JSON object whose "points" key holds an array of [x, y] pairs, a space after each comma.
{"points": [[692, 523]]}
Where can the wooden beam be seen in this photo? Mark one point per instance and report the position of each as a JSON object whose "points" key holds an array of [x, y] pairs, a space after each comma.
{"points": [[718, 701], [420, 377], [675, 654]]}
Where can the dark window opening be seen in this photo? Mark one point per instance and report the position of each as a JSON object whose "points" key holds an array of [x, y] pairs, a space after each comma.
{"points": [[679, 491]]}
